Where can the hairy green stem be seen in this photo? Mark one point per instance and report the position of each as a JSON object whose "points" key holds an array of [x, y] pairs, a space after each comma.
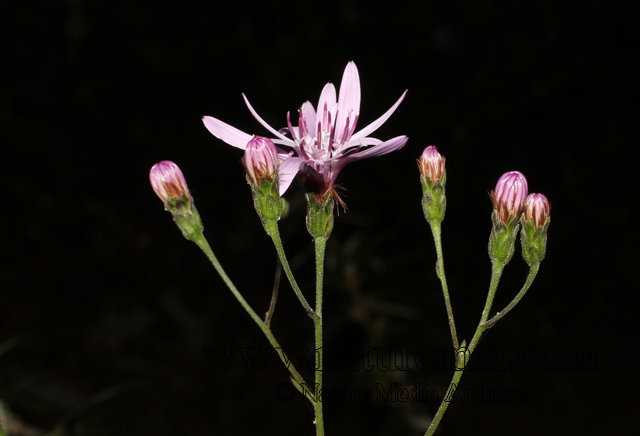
{"points": [[274, 294], [320, 246], [496, 272], [272, 230], [437, 237], [533, 270], [204, 246]]}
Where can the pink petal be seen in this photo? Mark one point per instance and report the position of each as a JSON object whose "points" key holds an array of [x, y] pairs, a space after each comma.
{"points": [[361, 143], [380, 121], [309, 114], [288, 144], [263, 122], [386, 147], [328, 96], [227, 133], [349, 99], [287, 171]]}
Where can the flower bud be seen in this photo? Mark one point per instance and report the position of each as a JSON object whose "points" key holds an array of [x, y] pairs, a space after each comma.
{"points": [[431, 164], [508, 203], [433, 179], [536, 210], [535, 223], [260, 159], [509, 195], [167, 182], [261, 162]]}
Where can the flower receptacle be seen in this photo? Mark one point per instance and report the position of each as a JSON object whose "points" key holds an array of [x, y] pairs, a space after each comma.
{"points": [[319, 215]]}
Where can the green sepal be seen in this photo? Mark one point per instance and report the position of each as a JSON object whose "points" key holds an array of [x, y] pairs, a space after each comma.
{"points": [[434, 200], [534, 241], [266, 199], [503, 239], [186, 216], [319, 215]]}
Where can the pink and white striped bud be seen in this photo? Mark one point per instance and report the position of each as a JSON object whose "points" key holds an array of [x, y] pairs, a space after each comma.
{"points": [[431, 164], [509, 195], [537, 209], [260, 159], [168, 182]]}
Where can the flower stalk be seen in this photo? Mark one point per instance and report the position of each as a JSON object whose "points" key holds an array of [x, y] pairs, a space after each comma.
{"points": [[433, 177]]}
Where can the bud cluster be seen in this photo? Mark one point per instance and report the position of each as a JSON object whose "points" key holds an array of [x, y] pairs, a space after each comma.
{"points": [[512, 207]]}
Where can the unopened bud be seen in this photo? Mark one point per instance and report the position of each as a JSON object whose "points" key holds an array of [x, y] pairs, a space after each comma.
{"points": [[261, 162], [508, 203], [168, 182], [433, 177], [508, 197], [170, 185], [260, 159], [536, 210], [431, 164], [535, 223]]}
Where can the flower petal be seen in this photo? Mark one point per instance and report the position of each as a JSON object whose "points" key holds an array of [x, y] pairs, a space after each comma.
{"points": [[227, 133], [287, 171], [264, 123], [386, 147], [328, 96], [309, 114], [349, 98], [361, 142], [380, 121]]}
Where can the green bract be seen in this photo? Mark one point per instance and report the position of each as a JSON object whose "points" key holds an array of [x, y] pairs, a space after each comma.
{"points": [[266, 199], [319, 215]]}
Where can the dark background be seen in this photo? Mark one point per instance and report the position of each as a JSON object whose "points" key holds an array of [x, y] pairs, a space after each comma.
{"points": [[105, 308]]}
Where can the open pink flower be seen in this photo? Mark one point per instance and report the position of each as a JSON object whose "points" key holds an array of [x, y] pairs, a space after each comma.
{"points": [[324, 141]]}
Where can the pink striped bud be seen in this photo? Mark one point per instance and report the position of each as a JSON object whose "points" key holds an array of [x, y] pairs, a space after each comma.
{"points": [[260, 159], [168, 182], [431, 164], [509, 195], [537, 209]]}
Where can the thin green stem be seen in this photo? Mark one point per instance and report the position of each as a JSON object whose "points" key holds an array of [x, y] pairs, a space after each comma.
{"points": [[533, 270], [496, 272], [272, 230], [204, 246], [437, 237], [274, 295], [320, 246]]}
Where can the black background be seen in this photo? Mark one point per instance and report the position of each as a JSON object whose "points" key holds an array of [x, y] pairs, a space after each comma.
{"points": [[109, 307]]}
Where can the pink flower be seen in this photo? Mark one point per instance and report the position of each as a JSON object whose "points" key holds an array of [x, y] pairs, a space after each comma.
{"points": [[537, 209], [324, 142], [260, 159], [431, 164], [167, 181], [508, 197]]}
